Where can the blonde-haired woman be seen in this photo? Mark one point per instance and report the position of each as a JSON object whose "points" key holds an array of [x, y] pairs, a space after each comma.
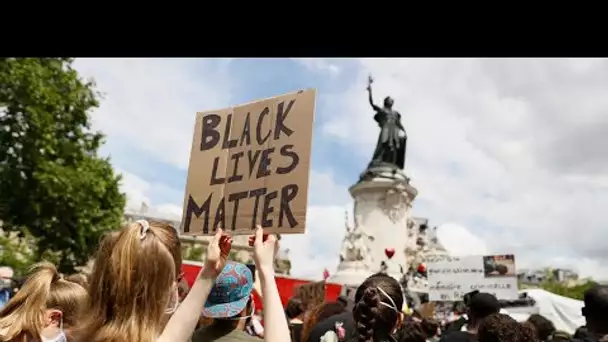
{"points": [[134, 286], [42, 308]]}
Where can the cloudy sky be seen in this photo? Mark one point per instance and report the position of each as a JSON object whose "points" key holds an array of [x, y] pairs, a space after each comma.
{"points": [[507, 151]]}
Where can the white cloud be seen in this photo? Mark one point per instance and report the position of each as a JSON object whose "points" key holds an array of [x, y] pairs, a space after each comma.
{"points": [[325, 65], [457, 240], [151, 104], [138, 191], [514, 144]]}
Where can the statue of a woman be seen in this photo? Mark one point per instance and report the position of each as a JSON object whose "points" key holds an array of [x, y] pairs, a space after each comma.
{"points": [[392, 140]]}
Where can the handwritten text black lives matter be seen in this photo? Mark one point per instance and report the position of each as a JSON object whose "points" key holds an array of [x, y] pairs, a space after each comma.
{"points": [[256, 162]]}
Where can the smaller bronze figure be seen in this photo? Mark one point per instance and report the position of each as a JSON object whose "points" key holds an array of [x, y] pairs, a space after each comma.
{"points": [[391, 146]]}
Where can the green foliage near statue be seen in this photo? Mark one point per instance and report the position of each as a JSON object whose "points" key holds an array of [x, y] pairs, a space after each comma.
{"points": [[575, 292], [54, 186]]}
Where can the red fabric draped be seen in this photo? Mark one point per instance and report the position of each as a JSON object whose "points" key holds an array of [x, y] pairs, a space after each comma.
{"points": [[286, 286]]}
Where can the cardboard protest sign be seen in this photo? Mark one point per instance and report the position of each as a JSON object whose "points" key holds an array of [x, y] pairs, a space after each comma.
{"points": [[249, 165], [311, 294], [451, 277]]}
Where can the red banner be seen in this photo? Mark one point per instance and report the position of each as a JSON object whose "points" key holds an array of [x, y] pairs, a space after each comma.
{"points": [[285, 284]]}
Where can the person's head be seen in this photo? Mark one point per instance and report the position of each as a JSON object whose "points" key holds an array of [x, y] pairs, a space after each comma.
{"points": [[295, 308], [410, 331], [498, 328], [319, 313], [459, 308], [133, 284], [44, 306], [78, 278], [388, 102], [430, 327], [230, 302], [480, 306], [526, 333], [581, 333], [543, 327], [596, 308], [377, 311]]}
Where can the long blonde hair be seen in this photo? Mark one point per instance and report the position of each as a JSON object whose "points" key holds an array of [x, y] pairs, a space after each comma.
{"points": [[23, 317], [131, 282]]}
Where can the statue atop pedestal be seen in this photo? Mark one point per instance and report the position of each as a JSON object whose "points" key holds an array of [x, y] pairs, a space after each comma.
{"points": [[388, 159]]}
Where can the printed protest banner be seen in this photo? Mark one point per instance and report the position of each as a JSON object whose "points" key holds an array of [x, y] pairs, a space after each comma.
{"points": [[450, 278], [249, 165], [311, 294]]}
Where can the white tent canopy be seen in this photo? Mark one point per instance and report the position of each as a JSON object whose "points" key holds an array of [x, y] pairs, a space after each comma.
{"points": [[565, 313]]}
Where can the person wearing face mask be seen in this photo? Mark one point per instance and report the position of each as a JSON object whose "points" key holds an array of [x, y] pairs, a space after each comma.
{"points": [[230, 305], [43, 307]]}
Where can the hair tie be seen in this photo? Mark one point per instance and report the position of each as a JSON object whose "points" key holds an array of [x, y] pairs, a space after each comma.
{"points": [[144, 226]]}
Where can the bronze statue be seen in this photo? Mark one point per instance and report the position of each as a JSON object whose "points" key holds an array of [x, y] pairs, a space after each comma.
{"points": [[390, 149]]}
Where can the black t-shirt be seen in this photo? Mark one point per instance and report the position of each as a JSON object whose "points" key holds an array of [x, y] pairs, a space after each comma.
{"points": [[456, 325], [296, 331], [345, 319], [458, 336]]}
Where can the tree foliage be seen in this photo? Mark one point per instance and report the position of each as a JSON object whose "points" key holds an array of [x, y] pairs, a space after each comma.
{"points": [[574, 292], [16, 252], [53, 184]]}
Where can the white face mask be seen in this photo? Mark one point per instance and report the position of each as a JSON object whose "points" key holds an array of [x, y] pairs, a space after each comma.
{"points": [[175, 303], [61, 337]]}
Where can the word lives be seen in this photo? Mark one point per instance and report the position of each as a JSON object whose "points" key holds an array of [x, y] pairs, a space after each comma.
{"points": [[244, 168]]}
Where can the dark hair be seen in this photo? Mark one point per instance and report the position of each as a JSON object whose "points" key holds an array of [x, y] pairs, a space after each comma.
{"points": [[581, 333], [596, 302], [317, 314], [295, 308], [459, 308], [498, 328], [482, 305], [330, 309], [429, 327], [544, 328], [410, 331], [525, 332], [375, 320]]}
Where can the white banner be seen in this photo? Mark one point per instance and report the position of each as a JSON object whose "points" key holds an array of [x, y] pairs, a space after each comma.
{"points": [[450, 278]]}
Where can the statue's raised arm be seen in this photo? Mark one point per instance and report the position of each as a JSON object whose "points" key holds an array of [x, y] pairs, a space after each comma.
{"points": [[370, 80]]}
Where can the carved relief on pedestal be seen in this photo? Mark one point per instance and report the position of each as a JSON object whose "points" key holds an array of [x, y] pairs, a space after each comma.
{"points": [[355, 246], [394, 204]]}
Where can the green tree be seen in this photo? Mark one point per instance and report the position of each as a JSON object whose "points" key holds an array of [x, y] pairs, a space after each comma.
{"points": [[194, 253], [53, 184], [16, 252], [574, 292]]}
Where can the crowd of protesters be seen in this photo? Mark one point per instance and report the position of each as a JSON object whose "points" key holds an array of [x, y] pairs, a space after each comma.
{"points": [[135, 293]]}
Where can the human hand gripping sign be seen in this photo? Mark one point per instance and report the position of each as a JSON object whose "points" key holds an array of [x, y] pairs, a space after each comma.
{"points": [[217, 253], [265, 248]]}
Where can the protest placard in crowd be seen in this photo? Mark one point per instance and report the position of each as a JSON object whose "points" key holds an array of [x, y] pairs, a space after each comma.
{"points": [[249, 165], [450, 278], [311, 294]]}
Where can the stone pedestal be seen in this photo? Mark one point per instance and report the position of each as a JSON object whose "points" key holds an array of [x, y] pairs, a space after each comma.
{"points": [[382, 205], [351, 273]]}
